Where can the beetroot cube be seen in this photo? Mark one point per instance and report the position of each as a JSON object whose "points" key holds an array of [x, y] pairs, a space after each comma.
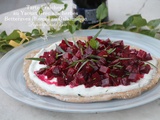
{"points": [[105, 82], [67, 55], [141, 54], [104, 69], [60, 81], [102, 53], [96, 76]]}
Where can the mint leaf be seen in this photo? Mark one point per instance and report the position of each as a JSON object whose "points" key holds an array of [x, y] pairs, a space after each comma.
{"points": [[37, 59], [102, 12], [135, 20], [57, 1], [153, 23]]}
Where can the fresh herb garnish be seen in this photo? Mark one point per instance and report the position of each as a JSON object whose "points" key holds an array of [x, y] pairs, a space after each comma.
{"points": [[36, 59], [60, 49], [93, 42]]}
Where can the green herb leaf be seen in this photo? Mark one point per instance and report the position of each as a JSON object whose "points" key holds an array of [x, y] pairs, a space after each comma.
{"points": [[60, 49], [66, 41], [135, 20], [56, 1], [111, 50], [3, 35], [153, 23], [72, 28], [36, 59], [14, 35], [116, 27], [93, 42], [151, 33], [82, 65], [151, 65], [102, 12]]}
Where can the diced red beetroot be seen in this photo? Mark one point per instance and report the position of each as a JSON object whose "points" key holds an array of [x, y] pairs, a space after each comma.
{"points": [[79, 42], [105, 82], [56, 71], [133, 77], [125, 81], [41, 71], [80, 78], [67, 55], [104, 69], [63, 45], [78, 54], [129, 68], [89, 50], [74, 58], [148, 57], [60, 81], [102, 53], [96, 76], [64, 65], [118, 43], [71, 72], [89, 37], [141, 54], [88, 67], [144, 69]]}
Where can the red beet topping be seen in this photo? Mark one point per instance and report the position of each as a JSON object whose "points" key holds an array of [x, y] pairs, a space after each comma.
{"points": [[111, 64]]}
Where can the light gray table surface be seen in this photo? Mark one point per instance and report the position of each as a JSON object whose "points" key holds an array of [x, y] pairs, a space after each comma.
{"points": [[11, 109]]}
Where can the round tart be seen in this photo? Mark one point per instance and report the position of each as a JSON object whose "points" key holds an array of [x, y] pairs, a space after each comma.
{"points": [[88, 69]]}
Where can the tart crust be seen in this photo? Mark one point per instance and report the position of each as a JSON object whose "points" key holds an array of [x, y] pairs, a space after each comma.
{"points": [[80, 99]]}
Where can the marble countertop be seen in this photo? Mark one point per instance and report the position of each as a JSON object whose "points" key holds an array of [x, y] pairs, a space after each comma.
{"points": [[11, 109]]}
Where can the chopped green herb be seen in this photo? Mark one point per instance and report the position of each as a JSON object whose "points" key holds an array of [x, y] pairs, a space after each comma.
{"points": [[36, 59]]}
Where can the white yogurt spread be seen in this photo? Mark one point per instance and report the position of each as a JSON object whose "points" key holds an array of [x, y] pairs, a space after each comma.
{"points": [[81, 89]]}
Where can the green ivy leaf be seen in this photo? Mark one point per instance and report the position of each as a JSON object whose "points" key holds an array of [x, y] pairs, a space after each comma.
{"points": [[135, 20], [56, 1], [14, 35], [102, 12], [153, 23]]}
